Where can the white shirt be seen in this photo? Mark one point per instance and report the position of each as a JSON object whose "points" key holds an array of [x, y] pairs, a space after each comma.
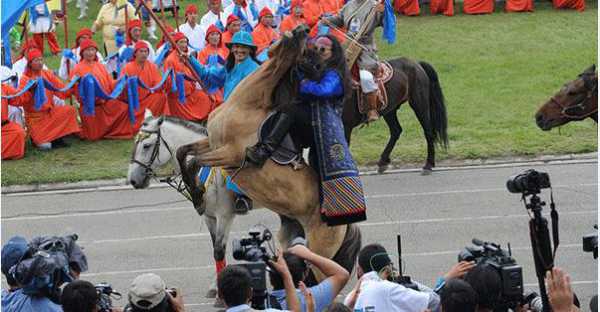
{"points": [[229, 10], [195, 35], [377, 295], [43, 24], [62, 70], [211, 18]]}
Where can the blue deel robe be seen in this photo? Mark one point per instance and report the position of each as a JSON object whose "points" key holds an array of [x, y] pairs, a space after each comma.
{"points": [[218, 76]]}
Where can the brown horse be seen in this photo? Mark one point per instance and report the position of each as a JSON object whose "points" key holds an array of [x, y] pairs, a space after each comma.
{"points": [[576, 100], [291, 192], [418, 84]]}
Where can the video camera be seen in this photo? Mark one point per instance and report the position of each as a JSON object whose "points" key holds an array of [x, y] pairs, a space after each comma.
{"points": [[106, 295], [590, 242], [251, 250], [47, 265], [511, 274]]}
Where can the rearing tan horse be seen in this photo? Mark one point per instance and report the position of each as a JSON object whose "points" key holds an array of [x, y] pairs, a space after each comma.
{"points": [[292, 193]]}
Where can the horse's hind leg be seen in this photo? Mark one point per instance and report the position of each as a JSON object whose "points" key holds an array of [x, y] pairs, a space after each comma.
{"points": [[290, 229], [391, 119]]}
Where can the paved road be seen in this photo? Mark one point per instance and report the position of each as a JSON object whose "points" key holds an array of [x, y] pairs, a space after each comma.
{"points": [[127, 232]]}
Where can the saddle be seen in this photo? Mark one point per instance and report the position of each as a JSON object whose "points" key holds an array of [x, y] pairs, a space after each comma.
{"points": [[382, 76], [287, 153]]}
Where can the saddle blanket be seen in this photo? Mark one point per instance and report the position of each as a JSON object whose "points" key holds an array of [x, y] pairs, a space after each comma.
{"points": [[206, 176], [341, 192]]}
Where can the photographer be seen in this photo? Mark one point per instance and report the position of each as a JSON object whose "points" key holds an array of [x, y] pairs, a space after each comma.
{"points": [[487, 284], [375, 291], [18, 299], [325, 292], [458, 296], [234, 286], [148, 293]]}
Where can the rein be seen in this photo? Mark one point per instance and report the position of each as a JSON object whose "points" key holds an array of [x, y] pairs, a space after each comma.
{"points": [[174, 181]]}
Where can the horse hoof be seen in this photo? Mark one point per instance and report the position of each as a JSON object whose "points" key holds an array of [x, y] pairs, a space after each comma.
{"points": [[211, 293], [426, 171], [382, 168]]}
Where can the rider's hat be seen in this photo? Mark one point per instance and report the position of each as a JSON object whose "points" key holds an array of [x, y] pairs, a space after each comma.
{"points": [[243, 38]]}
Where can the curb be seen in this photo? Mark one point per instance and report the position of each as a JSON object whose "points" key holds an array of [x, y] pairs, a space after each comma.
{"points": [[446, 165]]}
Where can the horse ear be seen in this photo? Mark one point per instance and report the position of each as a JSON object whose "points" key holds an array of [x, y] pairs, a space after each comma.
{"points": [[147, 114], [591, 69], [160, 120]]}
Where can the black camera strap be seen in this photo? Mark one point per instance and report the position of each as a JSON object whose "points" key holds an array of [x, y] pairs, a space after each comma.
{"points": [[554, 218]]}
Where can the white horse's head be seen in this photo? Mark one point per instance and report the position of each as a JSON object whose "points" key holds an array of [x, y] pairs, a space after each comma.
{"points": [[150, 152]]}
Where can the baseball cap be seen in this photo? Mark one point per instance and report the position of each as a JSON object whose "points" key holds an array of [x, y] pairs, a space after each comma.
{"points": [[12, 252], [147, 291]]}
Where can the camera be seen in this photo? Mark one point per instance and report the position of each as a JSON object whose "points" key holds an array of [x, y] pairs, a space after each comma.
{"points": [[528, 182], [590, 243], [106, 294], [251, 250], [511, 274]]}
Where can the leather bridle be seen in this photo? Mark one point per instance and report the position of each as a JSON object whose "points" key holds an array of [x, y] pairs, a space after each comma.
{"points": [[590, 88]]}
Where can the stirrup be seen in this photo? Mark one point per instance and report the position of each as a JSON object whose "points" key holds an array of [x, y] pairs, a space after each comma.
{"points": [[242, 204]]}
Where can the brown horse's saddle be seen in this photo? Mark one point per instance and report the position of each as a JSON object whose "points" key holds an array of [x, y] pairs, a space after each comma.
{"points": [[287, 153], [382, 76]]}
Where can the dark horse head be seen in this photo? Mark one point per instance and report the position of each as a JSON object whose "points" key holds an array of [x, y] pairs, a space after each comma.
{"points": [[576, 100]]}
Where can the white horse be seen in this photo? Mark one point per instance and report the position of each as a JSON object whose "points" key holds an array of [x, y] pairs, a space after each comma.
{"points": [[154, 147]]}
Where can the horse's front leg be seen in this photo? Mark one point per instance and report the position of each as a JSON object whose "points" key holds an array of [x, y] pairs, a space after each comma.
{"points": [[323, 240], [211, 224]]}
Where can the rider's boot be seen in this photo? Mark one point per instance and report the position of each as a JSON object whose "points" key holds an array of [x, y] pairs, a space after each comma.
{"points": [[242, 205], [257, 155], [372, 114]]}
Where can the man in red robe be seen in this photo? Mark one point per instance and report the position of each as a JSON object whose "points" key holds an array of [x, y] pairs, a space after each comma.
{"points": [[264, 34], [13, 135], [214, 45], [197, 104], [445, 7], [407, 7], [110, 119], [578, 5], [48, 124], [478, 6], [295, 18], [233, 25], [149, 74]]}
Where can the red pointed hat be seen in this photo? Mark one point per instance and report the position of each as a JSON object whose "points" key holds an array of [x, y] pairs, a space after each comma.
{"points": [[140, 45], [232, 18], [33, 54], [178, 36], [191, 9], [81, 33], [264, 12], [134, 23], [86, 44]]}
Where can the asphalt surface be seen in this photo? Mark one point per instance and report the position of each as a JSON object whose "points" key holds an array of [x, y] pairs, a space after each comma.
{"points": [[129, 232]]}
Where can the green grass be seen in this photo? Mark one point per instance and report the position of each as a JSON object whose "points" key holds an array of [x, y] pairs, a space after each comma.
{"points": [[495, 71]]}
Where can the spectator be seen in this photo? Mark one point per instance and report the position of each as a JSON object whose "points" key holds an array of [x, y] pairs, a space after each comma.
{"points": [[148, 293], [17, 299], [234, 284], [191, 29], [560, 293], [79, 296], [458, 296], [42, 26], [325, 292], [214, 16], [375, 291], [487, 284], [111, 20]]}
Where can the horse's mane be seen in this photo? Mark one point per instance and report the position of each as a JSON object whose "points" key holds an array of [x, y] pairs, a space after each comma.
{"points": [[190, 125]]}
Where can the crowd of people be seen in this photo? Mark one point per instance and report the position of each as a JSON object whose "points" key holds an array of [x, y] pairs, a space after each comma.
{"points": [[232, 37], [43, 276]]}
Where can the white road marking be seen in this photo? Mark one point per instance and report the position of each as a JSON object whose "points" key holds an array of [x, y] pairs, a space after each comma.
{"points": [[170, 210]]}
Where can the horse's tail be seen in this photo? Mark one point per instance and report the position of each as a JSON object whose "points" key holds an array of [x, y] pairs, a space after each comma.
{"points": [[437, 106]]}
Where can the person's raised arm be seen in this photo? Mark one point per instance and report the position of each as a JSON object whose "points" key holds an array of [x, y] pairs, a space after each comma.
{"points": [[291, 299], [336, 274]]}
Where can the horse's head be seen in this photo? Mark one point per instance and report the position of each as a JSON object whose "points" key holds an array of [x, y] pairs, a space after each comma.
{"points": [[149, 152], [576, 100], [290, 49], [311, 65]]}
